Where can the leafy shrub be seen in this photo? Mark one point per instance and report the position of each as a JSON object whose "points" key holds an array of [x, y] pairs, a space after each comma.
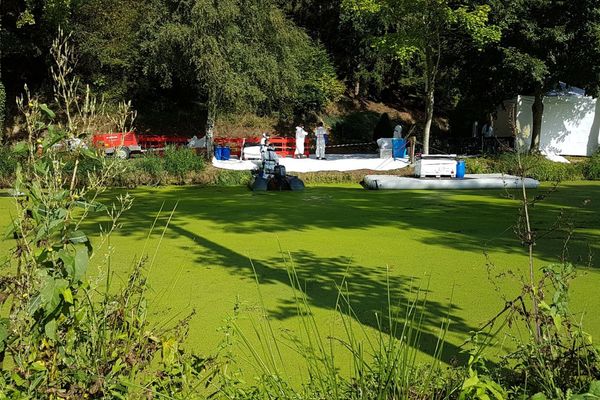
{"points": [[118, 172], [8, 162], [85, 166], [151, 165], [181, 160], [591, 167], [227, 177], [535, 166], [542, 169], [67, 336], [479, 165], [563, 359], [563, 172]]}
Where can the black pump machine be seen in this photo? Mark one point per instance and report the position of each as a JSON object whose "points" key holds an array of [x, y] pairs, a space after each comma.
{"points": [[271, 175]]}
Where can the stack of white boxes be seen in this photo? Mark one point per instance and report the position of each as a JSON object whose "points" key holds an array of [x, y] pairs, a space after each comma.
{"points": [[385, 147], [385, 153]]}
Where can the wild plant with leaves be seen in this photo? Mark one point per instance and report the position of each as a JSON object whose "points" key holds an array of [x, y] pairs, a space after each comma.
{"points": [[66, 336], [67, 333], [556, 358]]}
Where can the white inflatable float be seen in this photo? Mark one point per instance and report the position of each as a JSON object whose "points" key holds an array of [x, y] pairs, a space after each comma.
{"points": [[470, 181]]}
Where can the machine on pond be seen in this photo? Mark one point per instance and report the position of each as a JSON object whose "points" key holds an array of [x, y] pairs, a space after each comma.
{"points": [[271, 175]]}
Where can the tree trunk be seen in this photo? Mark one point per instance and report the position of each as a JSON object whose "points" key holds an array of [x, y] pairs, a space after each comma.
{"points": [[210, 126], [2, 100], [429, 100], [538, 111], [356, 87], [432, 61], [2, 108], [356, 72]]}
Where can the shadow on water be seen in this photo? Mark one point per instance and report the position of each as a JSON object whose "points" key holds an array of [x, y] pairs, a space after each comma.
{"points": [[469, 221], [458, 220], [368, 290]]}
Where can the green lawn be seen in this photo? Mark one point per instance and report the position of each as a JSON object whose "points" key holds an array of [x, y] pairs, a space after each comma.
{"points": [[433, 240]]}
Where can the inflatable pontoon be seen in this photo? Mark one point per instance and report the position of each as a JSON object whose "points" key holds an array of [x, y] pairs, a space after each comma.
{"points": [[470, 181]]}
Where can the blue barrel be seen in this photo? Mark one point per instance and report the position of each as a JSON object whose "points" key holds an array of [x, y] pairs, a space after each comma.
{"points": [[225, 153], [461, 168], [219, 153], [398, 148]]}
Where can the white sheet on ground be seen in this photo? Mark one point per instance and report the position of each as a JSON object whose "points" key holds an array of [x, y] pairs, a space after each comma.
{"points": [[555, 157], [334, 162]]}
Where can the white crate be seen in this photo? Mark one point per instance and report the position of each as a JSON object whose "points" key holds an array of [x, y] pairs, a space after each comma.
{"points": [[385, 153], [435, 167]]}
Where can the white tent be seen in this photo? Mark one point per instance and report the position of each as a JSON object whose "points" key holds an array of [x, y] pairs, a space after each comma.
{"points": [[570, 124]]}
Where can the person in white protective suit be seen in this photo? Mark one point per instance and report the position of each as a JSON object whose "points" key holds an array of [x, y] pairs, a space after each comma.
{"points": [[320, 133], [268, 156], [300, 136]]}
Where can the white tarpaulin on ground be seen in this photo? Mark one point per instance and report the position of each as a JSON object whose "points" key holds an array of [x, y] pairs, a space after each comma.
{"points": [[555, 157], [334, 162]]}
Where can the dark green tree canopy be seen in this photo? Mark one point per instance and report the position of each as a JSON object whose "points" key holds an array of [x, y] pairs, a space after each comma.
{"points": [[239, 55], [291, 58]]}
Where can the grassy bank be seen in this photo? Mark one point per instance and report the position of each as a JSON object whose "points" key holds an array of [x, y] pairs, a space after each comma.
{"points": [[537, 167], [183, 167]]}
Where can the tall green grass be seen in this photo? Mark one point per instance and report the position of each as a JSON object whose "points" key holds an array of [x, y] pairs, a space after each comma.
{"points": [[383, 367]]}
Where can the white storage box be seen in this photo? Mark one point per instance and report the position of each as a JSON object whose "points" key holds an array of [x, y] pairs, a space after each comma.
{"points": [[385, 147], [436, 166], [385, 153], [251, 153]]}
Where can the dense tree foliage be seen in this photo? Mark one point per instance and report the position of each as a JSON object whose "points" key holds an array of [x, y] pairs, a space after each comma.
{"points": [[108, 34], [543, 43], [240, 56], [420, 30], [234, 56], [291, 58], [540, 39], [366, 71]]}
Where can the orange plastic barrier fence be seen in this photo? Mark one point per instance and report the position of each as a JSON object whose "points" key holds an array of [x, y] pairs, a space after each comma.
{"points": [[160, 141], [284, 146]]}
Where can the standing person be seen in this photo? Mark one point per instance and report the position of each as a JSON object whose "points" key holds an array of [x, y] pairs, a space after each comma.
{"points": [[300, 136], [487, 133], [398, 132], [488, 130], [320, 133]]}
